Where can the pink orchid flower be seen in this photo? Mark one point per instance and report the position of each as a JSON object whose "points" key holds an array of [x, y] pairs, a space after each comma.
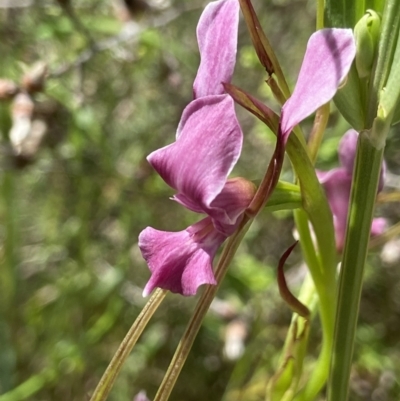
{"points": [[209, 141], [197, 165], [337, 185]]}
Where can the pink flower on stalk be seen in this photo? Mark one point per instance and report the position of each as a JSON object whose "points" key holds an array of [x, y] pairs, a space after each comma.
{"points": [[337, 185], [197, 165], [328, 58], [209, 141]]}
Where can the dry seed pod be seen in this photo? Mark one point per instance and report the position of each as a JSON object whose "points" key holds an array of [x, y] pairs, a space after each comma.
{"points": [[34, 80], [21, 114], [56, 117], [127, 10], [8, 89]]}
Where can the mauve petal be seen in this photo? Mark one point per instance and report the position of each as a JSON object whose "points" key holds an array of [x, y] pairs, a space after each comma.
{"points": [[141, 397], [337, 185], [347, 155], [326, 63], [180, 261], [207, 147], [230, 204], [187, 203], [379, 225], [347, 150], [217, 33]]}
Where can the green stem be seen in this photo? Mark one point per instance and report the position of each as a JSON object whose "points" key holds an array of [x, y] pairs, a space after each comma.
{"points": [[387, 45], [7, 273], [323, 266], [326, 295], [107, 381], [31, 386], [320, 14], [316, 206], [365, 184], [202, 307]]}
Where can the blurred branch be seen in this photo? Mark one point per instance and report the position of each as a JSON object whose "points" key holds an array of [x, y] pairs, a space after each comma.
{"points": [[388, 235], [15, 3], [73, 17], [129, 33]]}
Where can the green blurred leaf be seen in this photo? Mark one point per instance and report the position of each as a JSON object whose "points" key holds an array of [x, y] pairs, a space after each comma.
{"points": [[348, 100], [7, 358], [346, 13]]}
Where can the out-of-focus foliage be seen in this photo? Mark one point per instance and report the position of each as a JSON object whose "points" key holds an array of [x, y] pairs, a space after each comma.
{"points": [[71, 273]]}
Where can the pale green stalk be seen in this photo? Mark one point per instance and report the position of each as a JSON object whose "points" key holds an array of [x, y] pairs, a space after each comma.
{"points": [[202, 307], [365, 183], [110, 375]]}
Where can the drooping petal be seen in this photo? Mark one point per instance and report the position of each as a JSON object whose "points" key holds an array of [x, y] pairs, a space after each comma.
{"points": [[326, 63], [180, 261], [208, 145], [217, 37]]}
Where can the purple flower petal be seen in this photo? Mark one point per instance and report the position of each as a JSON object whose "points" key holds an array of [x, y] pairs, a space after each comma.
{"points": [[379, 225], [180, 261], [326, 63], [141, 397], [227, 207], [230, 204], [217, 37], [347, 150], [208, 145], [347, 155], [337, 185]]}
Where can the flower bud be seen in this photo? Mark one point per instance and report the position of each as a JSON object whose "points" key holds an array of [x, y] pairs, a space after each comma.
{"points": [[366, 32]]}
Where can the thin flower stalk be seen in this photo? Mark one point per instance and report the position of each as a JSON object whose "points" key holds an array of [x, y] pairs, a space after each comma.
{"points": [[199, 313], [110, 375]]}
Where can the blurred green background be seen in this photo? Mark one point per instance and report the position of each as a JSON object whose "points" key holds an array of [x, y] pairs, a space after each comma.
{"points": [[71, 274]]}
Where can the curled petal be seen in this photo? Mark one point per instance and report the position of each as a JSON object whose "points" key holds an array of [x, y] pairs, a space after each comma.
{"points": [[326, 63], [180, 261], [230, 204], [208, 145], [217, 33]]}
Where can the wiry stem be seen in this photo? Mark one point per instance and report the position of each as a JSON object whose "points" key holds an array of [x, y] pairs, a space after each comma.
{"points": [[202, 307], [107, 381]]}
